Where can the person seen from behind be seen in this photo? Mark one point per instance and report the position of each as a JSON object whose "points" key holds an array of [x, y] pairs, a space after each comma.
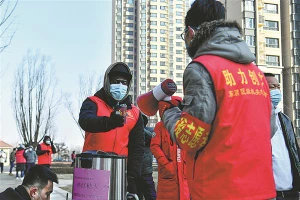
{"points": [[37, 185], [30, 157], [224, 125], [145, 186], [111, 128], [285, 149], [12, 159], [20, 162], [172, 181], [44, 151], [73, 156], [2, 159]]}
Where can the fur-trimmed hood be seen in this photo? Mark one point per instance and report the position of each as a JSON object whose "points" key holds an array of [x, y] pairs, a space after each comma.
{"points": [[221, 38]]}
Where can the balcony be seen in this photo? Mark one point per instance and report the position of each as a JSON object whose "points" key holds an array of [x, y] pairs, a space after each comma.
{"points": [[260, 4], [261, 20]]}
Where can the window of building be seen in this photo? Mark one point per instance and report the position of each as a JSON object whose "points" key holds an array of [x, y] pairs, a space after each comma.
{"points": [[297, 44], [179, 67], [153, 71], [178, 59], [153, 55], [178, 82], [130, 9], [163, 7], [153, 39], [153, 79], [153, 63], [163, 23], [162, 71], [130, 56], [249, 23], [178, 75], [162, 0], [129, 40], [250, 40], [271, 8], [249, 5], [130, 17], [163, 55], [129, 32], [179, 29], [178, 21], [272, 42], [130, 2], [179, 6], [271, 25], [130, 64], [178, 44], [162, 63], [153, 15], [130, 25], [178, 36], [129, 48], [153, 30], [178, 51], [296, 25], [153, 22], [297, 8], [163, 15], [153, 46], [179, 91], [153, 7], [162, 31], [178, 13], [163, 47], [272, 60], [162, 39]]}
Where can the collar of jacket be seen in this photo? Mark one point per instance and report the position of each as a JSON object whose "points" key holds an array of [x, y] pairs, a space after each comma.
{"points": [[22, 191], [110, 101], [206, 31]]}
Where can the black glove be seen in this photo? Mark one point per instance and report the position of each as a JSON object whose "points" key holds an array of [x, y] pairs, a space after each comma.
{"points": [[115, 120]]}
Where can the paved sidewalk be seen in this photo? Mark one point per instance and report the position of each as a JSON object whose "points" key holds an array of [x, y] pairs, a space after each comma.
{"points": [[11, 181]]}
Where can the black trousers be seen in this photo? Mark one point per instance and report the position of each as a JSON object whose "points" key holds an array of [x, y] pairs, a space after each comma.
{"points": [[1, 166]]}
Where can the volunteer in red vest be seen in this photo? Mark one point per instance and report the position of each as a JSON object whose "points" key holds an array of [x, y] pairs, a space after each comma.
{"points": [[109, 130], [224, 125], [172, 182], [44, 151], [20, 162]]}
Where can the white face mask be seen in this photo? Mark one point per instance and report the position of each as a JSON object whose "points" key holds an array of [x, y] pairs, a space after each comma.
{"points": [[48, 142], [118, 91], [30, 149]]}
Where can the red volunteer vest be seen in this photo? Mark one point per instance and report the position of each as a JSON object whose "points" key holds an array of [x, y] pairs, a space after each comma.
{"points": [[19, 157], [45, 159], [115, 140], [237, 161]]}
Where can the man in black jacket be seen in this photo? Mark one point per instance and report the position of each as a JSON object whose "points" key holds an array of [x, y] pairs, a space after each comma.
{"points": [[37, 185], [285, 149], [146, 187], [111, 129]]}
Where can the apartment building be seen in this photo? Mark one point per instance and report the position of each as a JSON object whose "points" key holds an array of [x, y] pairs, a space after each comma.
{"points": [[290, 22], [146, 35]]}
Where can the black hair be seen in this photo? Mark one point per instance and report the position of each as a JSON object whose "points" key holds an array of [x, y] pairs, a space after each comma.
{"points": [[204, 11], [39, 176], [269, 75]]}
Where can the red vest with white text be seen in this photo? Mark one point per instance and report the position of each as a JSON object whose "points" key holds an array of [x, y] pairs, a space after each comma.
{"points": [[19, 156], [115, 140], [45, 159], [236, 163]]}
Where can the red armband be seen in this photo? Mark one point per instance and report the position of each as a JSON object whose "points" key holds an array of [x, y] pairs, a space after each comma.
{"points": [[191, 133]]}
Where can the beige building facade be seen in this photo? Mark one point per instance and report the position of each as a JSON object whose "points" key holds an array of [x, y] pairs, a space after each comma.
{"points": [[146, 36]]}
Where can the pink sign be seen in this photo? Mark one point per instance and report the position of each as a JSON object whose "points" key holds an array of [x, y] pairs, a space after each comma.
{"points": [[90, 184]]}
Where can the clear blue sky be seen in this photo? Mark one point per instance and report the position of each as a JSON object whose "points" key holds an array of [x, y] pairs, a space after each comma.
{"points": [[77, 36]]}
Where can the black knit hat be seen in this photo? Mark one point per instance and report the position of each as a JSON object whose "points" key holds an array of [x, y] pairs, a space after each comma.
{"points": [[120, 69]]}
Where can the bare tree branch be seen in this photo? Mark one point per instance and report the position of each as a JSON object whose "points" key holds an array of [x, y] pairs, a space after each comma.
{"points": [[34, 101], [88, 85]]}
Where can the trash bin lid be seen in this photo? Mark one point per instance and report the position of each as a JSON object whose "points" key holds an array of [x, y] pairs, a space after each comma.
{"points": [[100, 154]]}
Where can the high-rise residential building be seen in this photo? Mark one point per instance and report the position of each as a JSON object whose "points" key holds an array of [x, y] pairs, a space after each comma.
{"points": [[146, 35], [290, 23], [271, 29]]}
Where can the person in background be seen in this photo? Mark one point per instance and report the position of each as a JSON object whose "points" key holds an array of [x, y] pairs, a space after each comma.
{"points": [[20, 162], [44, 152], [224, 125], [172, 182], [73, 156], [2, 159], [146, 187], [109, 130], [285, 149], [30, 157], [37, 185], [12, 159]]}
